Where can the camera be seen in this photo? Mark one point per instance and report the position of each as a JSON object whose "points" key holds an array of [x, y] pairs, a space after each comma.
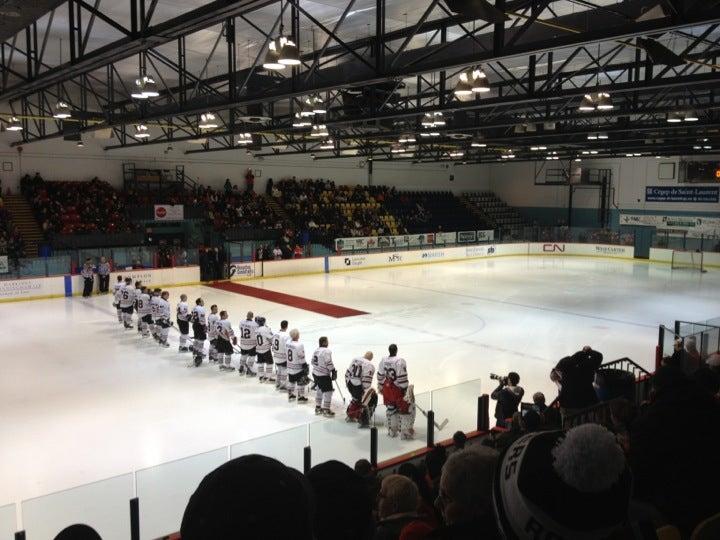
{"points": [[501, 379]]}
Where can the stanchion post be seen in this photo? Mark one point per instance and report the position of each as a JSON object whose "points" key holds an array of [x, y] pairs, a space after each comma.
{"points": [[135, 519], [430, 429], [307, 459], [373, 446]]}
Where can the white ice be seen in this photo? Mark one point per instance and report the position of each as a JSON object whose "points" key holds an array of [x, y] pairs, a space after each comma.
{"points": [[81, 399]]}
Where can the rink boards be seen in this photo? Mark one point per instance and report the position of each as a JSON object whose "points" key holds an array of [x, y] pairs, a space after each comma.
{"points": [[67, 285]]}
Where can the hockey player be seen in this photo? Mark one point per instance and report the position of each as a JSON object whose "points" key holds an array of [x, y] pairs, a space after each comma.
{"points": [[324, 373], [297, 368], [155, 313], [116, 296], [136, 295], [127, 301], [213, 320], [225, 341], [163, 320], [264, 338], [392, 384], [199, 322], [144, 311], [182, 317], [359, 379], [279, 351], [248, 342]]}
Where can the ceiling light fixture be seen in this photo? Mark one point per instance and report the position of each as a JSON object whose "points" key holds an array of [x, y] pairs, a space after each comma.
{"points": [[406, 139], [80, 144], [244, 139], [604, 103], [318, 105], [587, 104], [319, 130], [327, 144], [62, 110], [480, 84], [463, 88], [145, 87], [141, 131], [14, 124], [207, 121]]}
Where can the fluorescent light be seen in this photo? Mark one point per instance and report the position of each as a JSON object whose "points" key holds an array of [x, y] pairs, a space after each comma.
{"points": [[587, 104], [14, 124], [244, 138], [691, 117], [604, 102], [141, 131], [476, 144], [207, 121], [62, 110]]}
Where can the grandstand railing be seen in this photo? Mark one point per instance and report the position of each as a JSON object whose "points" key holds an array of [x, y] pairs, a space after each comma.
{"points": [[581, 235], [683, 239], [150, 502]]}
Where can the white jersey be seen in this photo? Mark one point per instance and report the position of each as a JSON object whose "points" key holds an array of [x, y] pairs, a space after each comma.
{"points": [[117, 291], [224, 330], [393, 368], [127, 296], [143, 304], [198, 315], [322, 364], [182, 311], [248, 334], [212, 321], [360, 372], [295, 357], [279, 346], [154, 306], [138, 292], [163, 309], [264, 338]]}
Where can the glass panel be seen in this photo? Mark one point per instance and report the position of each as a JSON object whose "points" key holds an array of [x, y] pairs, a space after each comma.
{"points": [[338, 440], [58, 265], [103, 505], [286, 446], [458, 406], [8, 525], [32, 267], [164, 491], [392, 447]]}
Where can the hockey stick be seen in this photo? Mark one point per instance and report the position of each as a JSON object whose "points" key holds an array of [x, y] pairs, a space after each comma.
{"points": [[339, 391], [439, 426]]}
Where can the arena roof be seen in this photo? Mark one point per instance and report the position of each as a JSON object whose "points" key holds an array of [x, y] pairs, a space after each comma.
{"points": [[379, 67]]}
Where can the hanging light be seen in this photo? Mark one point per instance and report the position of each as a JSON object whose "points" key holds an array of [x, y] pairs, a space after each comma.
{"points": [[602, 135], [438, 119], [300, 121], [604, 102], [587, 104], [480, 82], [327, 144], [430, 134], [427, 120], [272, 57], [141, 131], [537, 148], [207, 121], [318, 105], [289, 53], [145, 87], [62, 110], [406, 139], [319, 130], [397, 149], [456, 153], [592, 137], [691, 116], [306, 108], [244, 139], [674, 118], [14, 124], [80, 144], [463, 87]]}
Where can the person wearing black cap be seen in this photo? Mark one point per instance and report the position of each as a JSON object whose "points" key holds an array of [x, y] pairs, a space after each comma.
{"points": [[240, 498]]}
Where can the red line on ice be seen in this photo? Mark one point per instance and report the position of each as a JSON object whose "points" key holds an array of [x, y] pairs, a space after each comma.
{"points": [[331, 310]]}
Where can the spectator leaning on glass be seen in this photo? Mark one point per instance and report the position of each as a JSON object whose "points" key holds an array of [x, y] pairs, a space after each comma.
{"points": [[508, 395], [103, 271], [574, 375]]}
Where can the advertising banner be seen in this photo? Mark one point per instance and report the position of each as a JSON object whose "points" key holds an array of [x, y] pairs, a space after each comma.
{"points": [[694, 194], [4, 266], [695, 226], [485, 236], [445, 238], [169, 212], [464, 237]]}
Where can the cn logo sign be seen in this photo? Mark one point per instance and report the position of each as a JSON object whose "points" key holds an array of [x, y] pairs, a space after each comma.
{"points": [[553, 248]]}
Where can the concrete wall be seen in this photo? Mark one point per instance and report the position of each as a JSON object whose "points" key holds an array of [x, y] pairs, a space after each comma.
{"points": [[515, 183], [62, 160]]}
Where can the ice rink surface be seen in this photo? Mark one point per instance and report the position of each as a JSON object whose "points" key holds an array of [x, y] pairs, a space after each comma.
{"points": [[81, 399]]}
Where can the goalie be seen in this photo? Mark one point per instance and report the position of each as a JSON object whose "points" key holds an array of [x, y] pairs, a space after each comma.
{"points": [[393, 385], [358, 379]]}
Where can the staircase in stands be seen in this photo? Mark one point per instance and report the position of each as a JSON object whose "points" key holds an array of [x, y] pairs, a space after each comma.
{"points": [[23, 218], [277, 209], [492, 209]]}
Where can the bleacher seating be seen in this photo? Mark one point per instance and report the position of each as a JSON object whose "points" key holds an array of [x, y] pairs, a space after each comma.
{"points": [[11, 241], [426, 211], [494, 210]]}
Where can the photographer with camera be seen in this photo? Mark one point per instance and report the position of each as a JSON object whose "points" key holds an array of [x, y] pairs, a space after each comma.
{"points": [[574, 375], [508, 395]]}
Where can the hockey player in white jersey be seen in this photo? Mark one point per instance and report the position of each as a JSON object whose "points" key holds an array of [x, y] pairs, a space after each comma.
{"points": [[127, 301], [199, 324], [136, 295], [155, 314], [297, 368], [116, 297], [358, 379], [324, 373], [213, 320], [279, 352], [264, 338], [225, 341], [182, 316], [144, 311], [248, 342], [393, 383], [163, 320]]}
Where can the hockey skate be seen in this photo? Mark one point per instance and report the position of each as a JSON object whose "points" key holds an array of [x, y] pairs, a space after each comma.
{"points": [[164, 344], [327, 413], [183, 349], [197, 360], [302, 399], [318, 410], [291, 397]]}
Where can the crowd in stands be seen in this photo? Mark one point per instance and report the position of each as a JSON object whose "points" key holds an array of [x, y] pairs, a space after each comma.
{"points": [[11, 241], [76, 207]]}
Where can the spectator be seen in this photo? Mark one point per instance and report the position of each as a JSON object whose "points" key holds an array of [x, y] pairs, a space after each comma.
{"points": [[459, 440], [366, 471], [269, 187], [622, 415], [249, 181], [228, 186], [508, 395], [78, 532], [239, 500], [277, 253], [434, 462], [575, 375], [297, 252], [425, 508], [465, 499], [713, 362], [397, 506], [539, 402], [342, 504], [567, 485], [708, 380], [692, 358], [672, 471]]}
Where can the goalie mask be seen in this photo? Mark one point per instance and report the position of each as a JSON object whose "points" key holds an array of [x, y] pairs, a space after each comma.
{"points": [[562, 485]]}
